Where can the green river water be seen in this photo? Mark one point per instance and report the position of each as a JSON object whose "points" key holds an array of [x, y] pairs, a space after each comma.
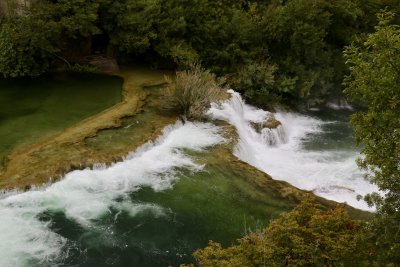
{"points": [[33, 109], [143, 223]]}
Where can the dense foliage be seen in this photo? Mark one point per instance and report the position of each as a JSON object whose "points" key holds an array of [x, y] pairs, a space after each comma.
{"points": [[306, 236], [375, 80], [270, 50]]}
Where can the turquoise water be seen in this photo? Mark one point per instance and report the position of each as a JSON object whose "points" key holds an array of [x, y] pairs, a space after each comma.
{"points": [[336, 133], [33, 109], [210, 205]]}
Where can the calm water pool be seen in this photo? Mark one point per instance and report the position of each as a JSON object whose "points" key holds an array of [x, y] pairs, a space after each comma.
{"points": [[33, 109]]}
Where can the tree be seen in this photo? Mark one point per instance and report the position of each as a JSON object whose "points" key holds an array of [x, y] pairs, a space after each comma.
{"points": [[130, 24], [256, 81], [375, 81], [24, 49], [305, 40], [305, 236], [31, 36]]}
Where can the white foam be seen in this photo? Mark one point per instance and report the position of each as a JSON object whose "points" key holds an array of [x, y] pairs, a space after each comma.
{"points": [[340, 104], [279, 152], [87, 194]]}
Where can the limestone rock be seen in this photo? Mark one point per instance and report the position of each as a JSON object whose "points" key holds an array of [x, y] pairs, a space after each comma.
{"points": [[270, 123]]}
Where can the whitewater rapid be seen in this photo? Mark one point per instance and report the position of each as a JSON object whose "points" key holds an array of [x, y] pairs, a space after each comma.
{"points": [[84, 196], [279, 152]]}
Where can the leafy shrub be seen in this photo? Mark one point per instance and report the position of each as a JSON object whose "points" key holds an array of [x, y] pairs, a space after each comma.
{"points": [[192, 91], [306, 236]]}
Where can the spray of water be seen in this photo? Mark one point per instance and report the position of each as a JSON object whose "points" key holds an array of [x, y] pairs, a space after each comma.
{"points": [[85, 195], [279, 152]]}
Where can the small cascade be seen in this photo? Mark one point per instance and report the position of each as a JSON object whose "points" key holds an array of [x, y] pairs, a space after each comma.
{"points": [[275, 136], [339, 104], [278, 149], [256, 124]]}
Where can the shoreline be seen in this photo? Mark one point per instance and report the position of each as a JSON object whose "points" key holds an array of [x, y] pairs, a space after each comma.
{"points": [[50, 159]]}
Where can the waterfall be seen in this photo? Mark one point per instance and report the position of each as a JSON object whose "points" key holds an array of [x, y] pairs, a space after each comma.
{"points": [[280, 152], [274, 137]]}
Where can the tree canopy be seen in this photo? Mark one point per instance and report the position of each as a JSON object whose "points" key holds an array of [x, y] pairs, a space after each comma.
{"points": [[375, 81], [297, 43]]}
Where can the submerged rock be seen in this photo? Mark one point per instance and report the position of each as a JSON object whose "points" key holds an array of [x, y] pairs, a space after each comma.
{"points": [[269, 123]]}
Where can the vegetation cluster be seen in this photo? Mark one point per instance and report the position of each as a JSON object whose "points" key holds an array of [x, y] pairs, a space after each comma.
{"points": [[374, 80], [191, 91], [305, 236], [270, 50]]}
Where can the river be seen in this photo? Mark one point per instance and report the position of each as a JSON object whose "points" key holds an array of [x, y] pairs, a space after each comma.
{"points": [[170, 196]]}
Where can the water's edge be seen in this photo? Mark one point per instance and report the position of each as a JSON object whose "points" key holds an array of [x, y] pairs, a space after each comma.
{"points": [[59, 154]]}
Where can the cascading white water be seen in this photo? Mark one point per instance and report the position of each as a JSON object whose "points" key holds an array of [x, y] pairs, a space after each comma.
{"points": [[84, 196], [280, 153], [274, 137], [340, 104]]}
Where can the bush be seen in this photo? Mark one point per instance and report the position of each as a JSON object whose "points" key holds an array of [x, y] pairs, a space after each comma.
{"points": [[192, 91], [306, 236]]}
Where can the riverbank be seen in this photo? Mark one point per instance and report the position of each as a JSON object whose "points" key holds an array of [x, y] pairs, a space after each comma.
{"points": [[49, 159]]}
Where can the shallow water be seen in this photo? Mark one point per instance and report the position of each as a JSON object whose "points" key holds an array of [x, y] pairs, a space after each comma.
{"points": [[33, 109]]}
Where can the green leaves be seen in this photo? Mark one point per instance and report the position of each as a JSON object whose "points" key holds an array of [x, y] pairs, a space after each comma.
{"points": [[257, 81], [23, 50], [29, 41], [305, 40], [131, 24], [306, 236], [374, 80]]}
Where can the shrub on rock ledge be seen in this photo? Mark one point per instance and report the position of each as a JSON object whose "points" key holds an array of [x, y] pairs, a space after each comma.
{"points": [[192, 91]]}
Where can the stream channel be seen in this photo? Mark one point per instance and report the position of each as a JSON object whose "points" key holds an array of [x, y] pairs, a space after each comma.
{"points": [[170, 196]]}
